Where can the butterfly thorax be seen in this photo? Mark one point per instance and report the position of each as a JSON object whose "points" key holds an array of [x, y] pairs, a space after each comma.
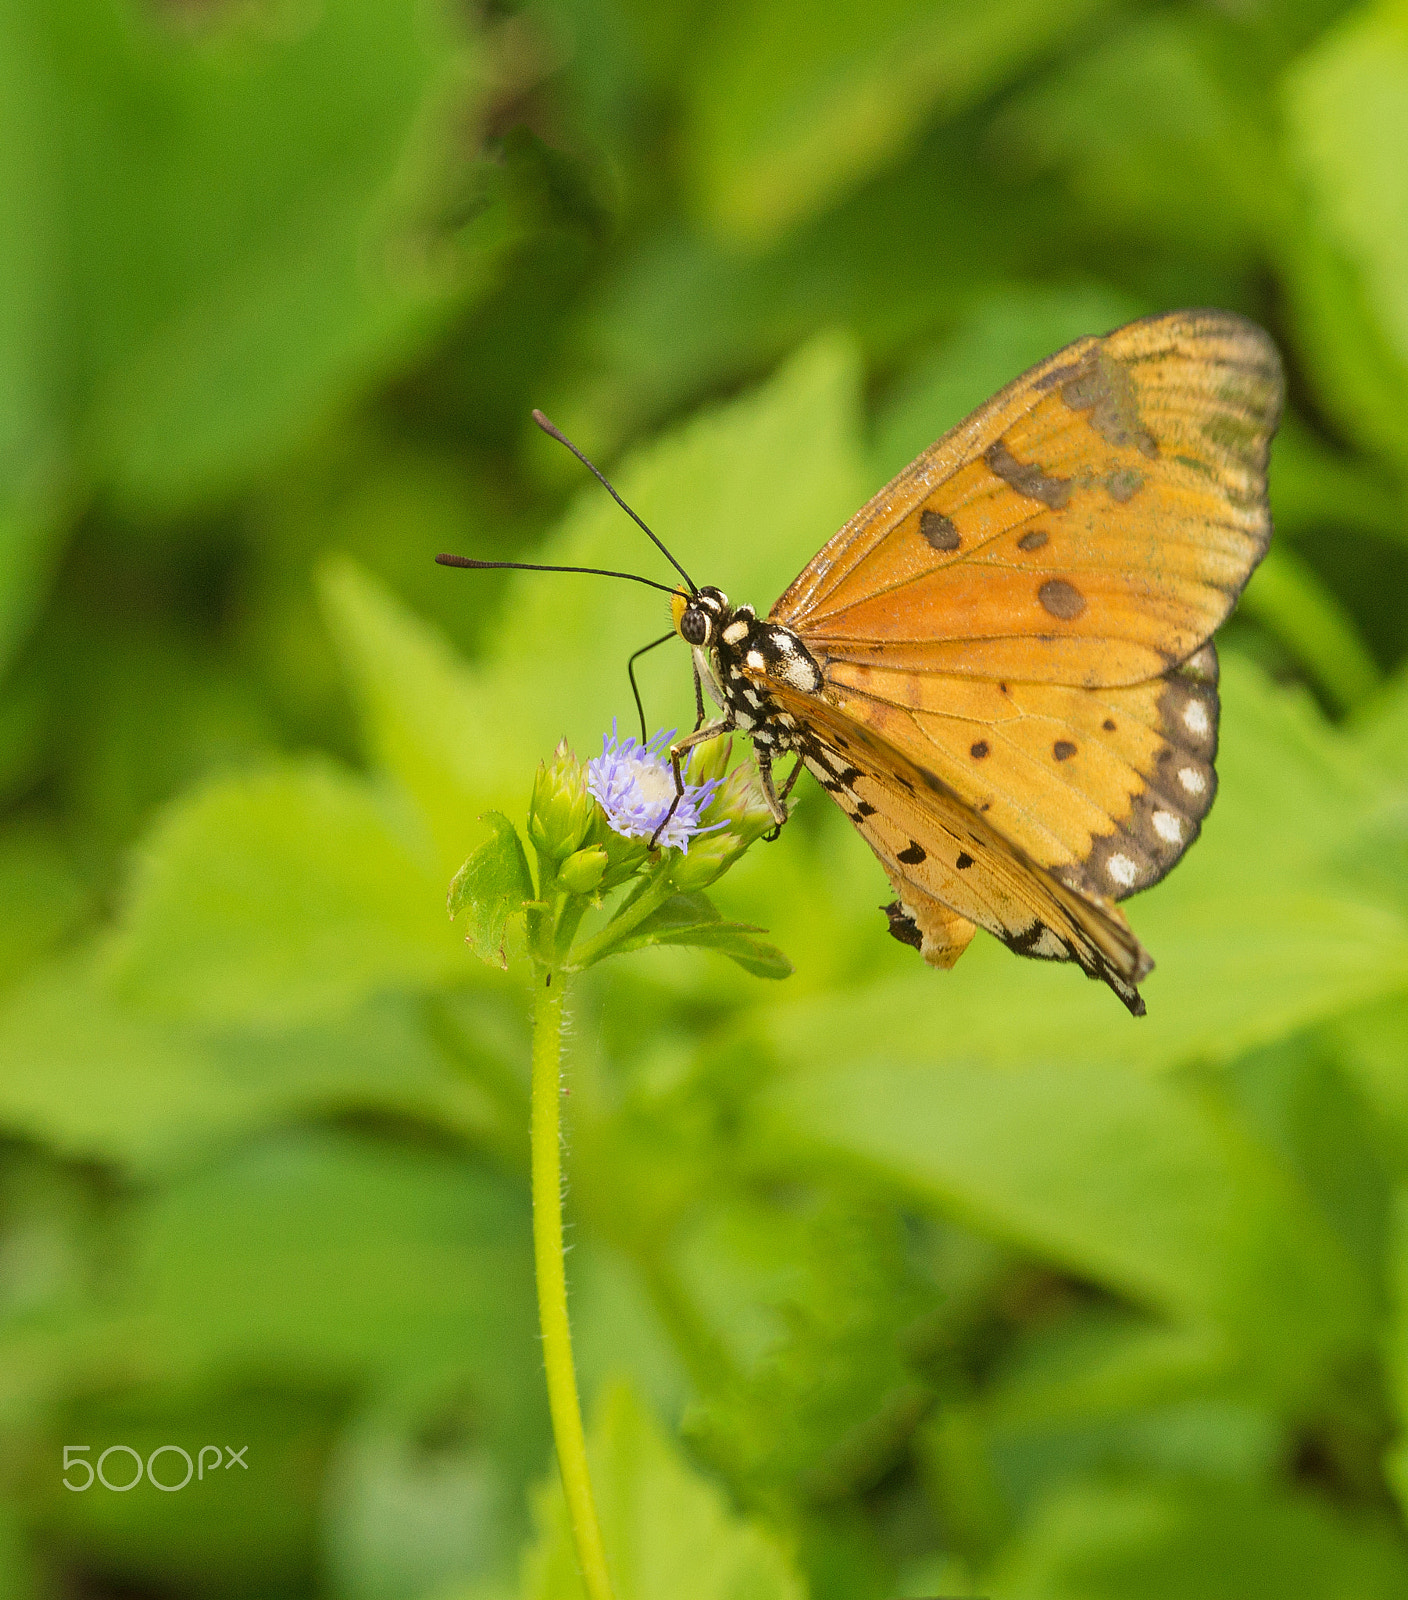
{"points": [[736, 652]]}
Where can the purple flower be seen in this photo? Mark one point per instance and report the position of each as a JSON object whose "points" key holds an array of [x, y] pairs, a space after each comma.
{"points": [[634, 785]]}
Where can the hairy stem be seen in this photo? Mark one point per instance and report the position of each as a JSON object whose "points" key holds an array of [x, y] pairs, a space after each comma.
{"points": [[563, 1401]]}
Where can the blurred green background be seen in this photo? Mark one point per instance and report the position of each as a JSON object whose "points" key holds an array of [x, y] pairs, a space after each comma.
{"points": [[886, 1282]]}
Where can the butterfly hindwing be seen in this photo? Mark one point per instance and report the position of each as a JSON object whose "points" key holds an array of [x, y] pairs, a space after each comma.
{"points": [[1105, 787], [951, 869]]}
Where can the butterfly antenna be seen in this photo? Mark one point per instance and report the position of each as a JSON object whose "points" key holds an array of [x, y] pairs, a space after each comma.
{"points": [[556, 433], [445, 560]]}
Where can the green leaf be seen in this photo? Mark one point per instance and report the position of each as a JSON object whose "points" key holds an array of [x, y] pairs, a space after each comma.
{"points": [[230, 221], [1382, 730], [1162, 132], [1371, 1046], [791, 107], [429, 719], [1135, 1182], [683, 316], [694, 920], [1314, 486], [1396, 1351], [1347, 115], [667, 1530], [41, 897], [336, 1255], [32, 421], [1159, 1542], [291, 893], [96, 1081], [240, 273], [400, 1520], [1290, 601], [492, 886], [18, 1574], [815, 1300]]}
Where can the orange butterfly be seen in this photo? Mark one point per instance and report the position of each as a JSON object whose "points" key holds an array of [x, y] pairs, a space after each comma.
{"points": [[1001, 668]]}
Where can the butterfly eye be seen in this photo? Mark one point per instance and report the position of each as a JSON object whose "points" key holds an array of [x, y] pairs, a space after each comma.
{"points": [[694, 626]]}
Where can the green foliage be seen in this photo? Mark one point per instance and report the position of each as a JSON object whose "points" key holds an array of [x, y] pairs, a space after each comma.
{"points": [[885, 1282], [791, 108], [667, 1530], [278, 896], [1347, 106], [492, 886], [693, 921]]}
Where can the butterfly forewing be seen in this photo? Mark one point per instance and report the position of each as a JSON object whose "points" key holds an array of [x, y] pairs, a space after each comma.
{"points": [[1090, 525]]}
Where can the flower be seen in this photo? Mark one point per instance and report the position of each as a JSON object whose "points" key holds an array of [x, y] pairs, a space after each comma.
{"points": [[634, 785]]}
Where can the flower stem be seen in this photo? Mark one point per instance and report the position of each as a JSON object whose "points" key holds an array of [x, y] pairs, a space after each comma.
{"points": [[654, 894], [563, 1402]]}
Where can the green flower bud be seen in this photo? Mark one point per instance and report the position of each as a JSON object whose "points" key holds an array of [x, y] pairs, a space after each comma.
{"points": [[562, 809], [709, 760], [625, 854], [708, 859], [739, 803], [583, 871]]}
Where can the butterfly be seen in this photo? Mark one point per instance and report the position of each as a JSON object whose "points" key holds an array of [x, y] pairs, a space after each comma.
{"points": [[1002, 667]]}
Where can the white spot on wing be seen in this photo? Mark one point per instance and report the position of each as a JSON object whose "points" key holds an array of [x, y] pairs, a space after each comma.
{"points": [[1168, 826], [1122, 870], [1048, 945], [754, 658], [1192, 780], [1195, 717]]}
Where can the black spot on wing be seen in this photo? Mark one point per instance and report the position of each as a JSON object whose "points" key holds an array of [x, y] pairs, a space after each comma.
{"points": [[938, 531]]}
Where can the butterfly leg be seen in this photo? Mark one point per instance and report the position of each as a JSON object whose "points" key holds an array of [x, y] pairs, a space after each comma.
{"points": [[698, 698], [681, 747], [777, 802]]}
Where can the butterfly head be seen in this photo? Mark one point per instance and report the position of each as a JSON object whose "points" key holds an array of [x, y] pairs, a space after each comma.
{"points": [[701, 616]]}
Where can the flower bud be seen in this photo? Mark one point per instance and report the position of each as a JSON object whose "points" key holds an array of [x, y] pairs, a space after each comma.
{"points": [[562, 808], [739, 804], [709, 760], [583, 871], [625, 853], [708, 859]]}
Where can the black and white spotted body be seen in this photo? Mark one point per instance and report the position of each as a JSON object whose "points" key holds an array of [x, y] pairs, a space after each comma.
{"points": [[735, 653], [737, 650]]}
